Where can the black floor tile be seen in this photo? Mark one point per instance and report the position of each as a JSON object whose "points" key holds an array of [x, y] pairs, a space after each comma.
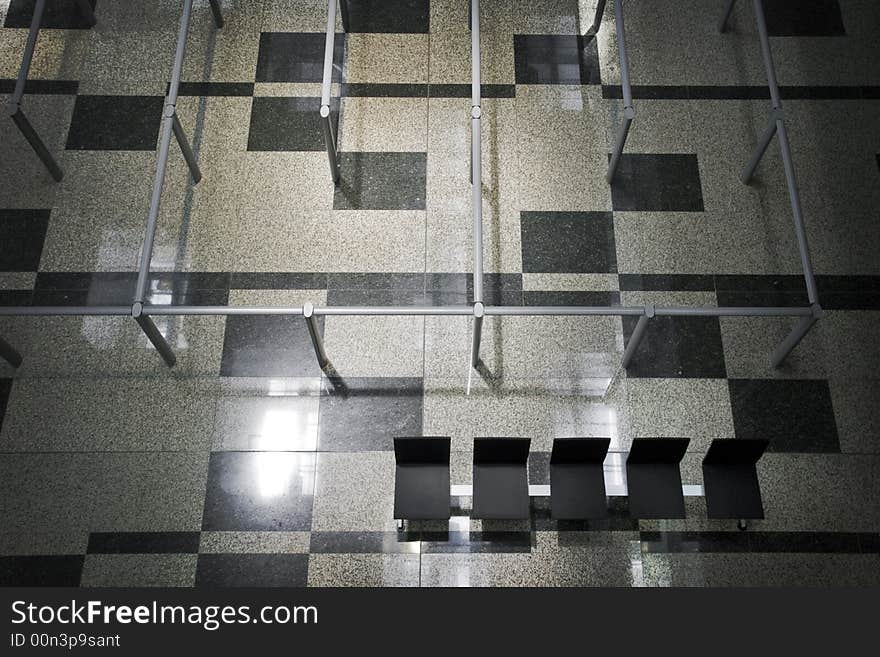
{"points": [[259, 491], [252, 570], [570, 298], [458, 289], [481, 542], [761, 290], [22, 233], [288, 124], [58, 15], [115, 123], [368, 413], [382, 181], [805, 542], [55, 570], [277, 281], [268, 346], [43, 87], [5, 389], [707, 542], [666, 282], [657, 183], [296, 57], [568, 242], [143, 543], [555, 59], [363, 543], [216, 89], [395, 16], [849, 292], [118, 288], [795, 415], [373, 281], [678, 347], [804, 18]]}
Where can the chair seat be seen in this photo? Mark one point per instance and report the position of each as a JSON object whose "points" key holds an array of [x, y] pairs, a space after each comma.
{"points": [[655, 490], [732, 492], [500, 492], [577, 492], [421, 492]]}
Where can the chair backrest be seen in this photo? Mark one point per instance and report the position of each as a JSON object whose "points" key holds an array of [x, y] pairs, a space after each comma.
{"points": [[735, 451], [657, 450], [573, 451], [501, 451], [419, 450]]}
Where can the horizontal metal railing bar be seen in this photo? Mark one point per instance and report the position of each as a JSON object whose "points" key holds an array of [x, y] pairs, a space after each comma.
{"points": [[35, 311], [395, 310], [528, 311], [221, 310], [743, 311], [508, 311]]}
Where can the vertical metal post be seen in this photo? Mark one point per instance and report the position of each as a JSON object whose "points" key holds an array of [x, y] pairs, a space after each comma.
{"points": [[185, 148], [153, 334], [626, 87], [728, 10], [315, 334], [636, 338], [27, 130], [597, 20], [218, 15], [479, 313], [800, 329], [9, 354], [770, 132], [85, 8], [326, 124], [344, 15]]}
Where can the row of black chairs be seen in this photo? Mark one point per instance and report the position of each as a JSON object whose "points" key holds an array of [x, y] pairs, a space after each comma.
{"points": [[577, 478]]}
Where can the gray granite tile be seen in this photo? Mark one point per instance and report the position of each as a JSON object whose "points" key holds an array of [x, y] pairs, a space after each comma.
{"points": [[373, 570], [139, 570], [354, 492], [252, 542], [267, 414], [60, 415]]}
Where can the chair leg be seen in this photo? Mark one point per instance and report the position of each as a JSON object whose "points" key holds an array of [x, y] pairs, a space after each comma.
{"points": [[742, 524]]}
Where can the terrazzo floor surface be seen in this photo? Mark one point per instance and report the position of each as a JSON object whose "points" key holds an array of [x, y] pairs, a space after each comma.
{"points": [[246, 465]]}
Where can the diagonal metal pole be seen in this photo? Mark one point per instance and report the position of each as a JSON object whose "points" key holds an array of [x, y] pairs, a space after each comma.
{"points": [[218, 15], [13, 106], [725, 17]]}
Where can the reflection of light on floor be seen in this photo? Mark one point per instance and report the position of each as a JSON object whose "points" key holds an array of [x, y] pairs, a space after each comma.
{"points": [[288, 430], [274, 472]]}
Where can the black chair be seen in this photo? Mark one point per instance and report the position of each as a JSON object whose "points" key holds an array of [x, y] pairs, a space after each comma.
{"points": [[577, 478], [730, 479], [421, 484], [501, 479], [653, 477]]}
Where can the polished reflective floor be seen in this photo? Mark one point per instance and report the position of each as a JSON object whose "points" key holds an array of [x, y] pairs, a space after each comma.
{"points": [[245, 465]]}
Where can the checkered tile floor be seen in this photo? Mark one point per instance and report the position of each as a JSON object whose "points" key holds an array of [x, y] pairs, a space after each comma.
{"points": [[246, 466]]}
